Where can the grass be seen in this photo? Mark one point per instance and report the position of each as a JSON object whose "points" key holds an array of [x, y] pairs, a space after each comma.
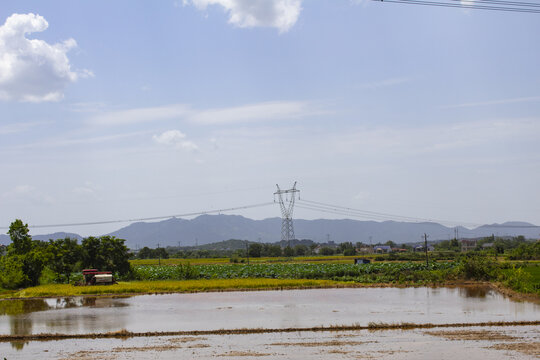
{"points": [[524, 279], [170, 286]]}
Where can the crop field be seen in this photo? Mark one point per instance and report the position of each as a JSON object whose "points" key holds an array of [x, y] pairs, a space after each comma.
{"points": [[260, 260], [368, 273]]}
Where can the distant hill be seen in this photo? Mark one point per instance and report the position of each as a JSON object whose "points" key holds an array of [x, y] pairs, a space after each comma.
{"points": [[5, 240], [207, 229]]}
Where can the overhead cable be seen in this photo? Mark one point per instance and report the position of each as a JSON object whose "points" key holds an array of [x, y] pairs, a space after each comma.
{"points": [[372, 215], [215, 211], [490, 5]]}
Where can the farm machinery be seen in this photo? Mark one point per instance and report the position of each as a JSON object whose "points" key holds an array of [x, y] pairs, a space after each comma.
{"points": [[95, 277]]}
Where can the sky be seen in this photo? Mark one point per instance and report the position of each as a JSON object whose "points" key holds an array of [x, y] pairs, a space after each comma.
{"points": [[131, 109]]}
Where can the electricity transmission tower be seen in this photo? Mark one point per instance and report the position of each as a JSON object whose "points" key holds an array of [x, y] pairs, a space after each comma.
{"points": [[287, 207]]}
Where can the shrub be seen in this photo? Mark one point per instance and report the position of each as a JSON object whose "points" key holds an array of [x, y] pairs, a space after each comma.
{"points": [[477, 267]]}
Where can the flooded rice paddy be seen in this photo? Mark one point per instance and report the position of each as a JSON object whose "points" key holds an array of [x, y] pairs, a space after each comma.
{"points": [[277, 310]]}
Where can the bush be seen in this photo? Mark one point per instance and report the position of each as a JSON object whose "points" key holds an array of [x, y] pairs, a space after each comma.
{"points": [[477, 267], [11, 273]]}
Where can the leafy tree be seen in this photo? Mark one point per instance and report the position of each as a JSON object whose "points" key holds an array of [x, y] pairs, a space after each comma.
{"points": [[65, 255], [325, 250], [105, 253], [390, 243], [91, 250], [346, 247], [161, 253], [11, 272], [275, 251], [288, 251], [145, 253], [23, 255], [300, 250], [21, 241], [255, 250]]}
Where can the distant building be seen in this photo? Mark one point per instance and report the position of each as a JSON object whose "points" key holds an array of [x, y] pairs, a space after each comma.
{"points": [[361, 261], [382, 249], [468, 245], [365, 250], [421, 247]]}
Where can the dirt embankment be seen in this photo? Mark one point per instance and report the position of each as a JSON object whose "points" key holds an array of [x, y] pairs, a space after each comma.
{"points": [[372, 326]]}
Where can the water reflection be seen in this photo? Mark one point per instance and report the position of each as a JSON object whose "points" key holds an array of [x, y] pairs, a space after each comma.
{"points": [[27, 306], [479, 292], [21, 323]]}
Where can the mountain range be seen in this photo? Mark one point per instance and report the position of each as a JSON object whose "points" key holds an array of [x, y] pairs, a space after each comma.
{"points": [[207, 229]]}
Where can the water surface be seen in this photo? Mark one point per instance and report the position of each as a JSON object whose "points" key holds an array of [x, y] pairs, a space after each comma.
{"points": [[261, 309]]}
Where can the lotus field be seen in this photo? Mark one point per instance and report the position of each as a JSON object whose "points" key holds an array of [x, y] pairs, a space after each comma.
{"points": [[369, 273]]}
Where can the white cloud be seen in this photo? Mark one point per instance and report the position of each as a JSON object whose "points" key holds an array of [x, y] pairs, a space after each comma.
{"points": [[27, 193], [19, 127], [32, 70], [175, 138], [494, 102], [280, 14], [140, 115], [381, 141], [265, 111], [276, 110]]}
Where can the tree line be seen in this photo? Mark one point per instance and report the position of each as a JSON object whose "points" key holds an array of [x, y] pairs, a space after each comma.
{"points": [[25, 260]]}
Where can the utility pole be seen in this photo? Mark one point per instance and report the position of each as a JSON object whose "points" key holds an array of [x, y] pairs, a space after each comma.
{"points": [[425, 248], [159, 255], [247, 250], [287, 230]]}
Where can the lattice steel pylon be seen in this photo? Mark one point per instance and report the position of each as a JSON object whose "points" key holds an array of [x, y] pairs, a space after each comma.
{"points": [[287, 208]]}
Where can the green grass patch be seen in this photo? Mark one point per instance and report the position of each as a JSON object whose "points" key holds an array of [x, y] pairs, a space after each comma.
{"points": [[166, 286], [524, 279]]}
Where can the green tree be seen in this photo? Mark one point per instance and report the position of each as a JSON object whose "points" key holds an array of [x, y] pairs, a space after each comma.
{"points": [[65, 255], [144, 253], [275, 251], [325, 250], [21, 241], [288, 251], [105, 253], [29, 257], [300, 250], [390, 243], [346, 247], [11, 272], [255, 250]]}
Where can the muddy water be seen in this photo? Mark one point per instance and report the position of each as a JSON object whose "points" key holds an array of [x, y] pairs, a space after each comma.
{"points": [[261, 309]]}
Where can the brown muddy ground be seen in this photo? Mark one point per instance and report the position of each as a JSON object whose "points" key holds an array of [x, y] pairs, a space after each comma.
{"points": [[503, 342]]}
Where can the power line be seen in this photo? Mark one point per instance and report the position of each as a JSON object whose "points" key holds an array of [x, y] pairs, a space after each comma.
{"points": [[372, 215], [148, 218], [493, 5]]}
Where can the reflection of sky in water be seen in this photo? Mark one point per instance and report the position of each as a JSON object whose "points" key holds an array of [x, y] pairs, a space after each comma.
{"points": [[268, 309]]}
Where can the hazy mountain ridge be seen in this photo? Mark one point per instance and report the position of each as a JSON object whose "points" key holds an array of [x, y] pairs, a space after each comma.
{"points": [[207, 229], [5, 240]]}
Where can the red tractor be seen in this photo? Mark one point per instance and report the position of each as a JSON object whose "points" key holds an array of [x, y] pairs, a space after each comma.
{"points": [[95, 277]]}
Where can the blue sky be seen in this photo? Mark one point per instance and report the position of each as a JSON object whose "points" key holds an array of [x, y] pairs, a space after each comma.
{"points": [[130, 109]]}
